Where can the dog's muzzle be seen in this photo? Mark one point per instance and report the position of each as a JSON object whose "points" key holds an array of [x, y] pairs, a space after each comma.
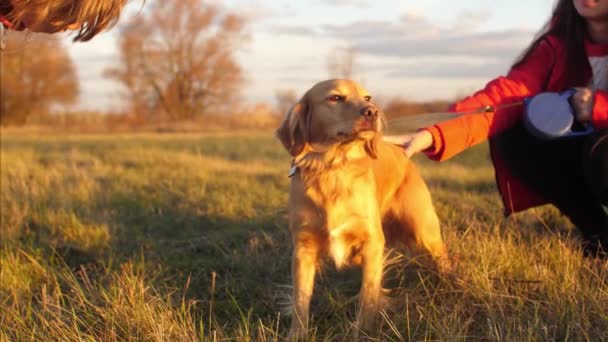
{"points": [[370, 113]]}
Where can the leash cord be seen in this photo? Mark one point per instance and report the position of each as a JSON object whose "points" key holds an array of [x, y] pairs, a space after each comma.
{"points": [[480, 110]]}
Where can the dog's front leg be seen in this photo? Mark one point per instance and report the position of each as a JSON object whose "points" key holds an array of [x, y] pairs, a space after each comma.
{"points": [[370, 300], [303, 268]]}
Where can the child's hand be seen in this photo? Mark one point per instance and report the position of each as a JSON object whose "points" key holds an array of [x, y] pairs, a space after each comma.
{"points": [[582, 103], [412, 143]]}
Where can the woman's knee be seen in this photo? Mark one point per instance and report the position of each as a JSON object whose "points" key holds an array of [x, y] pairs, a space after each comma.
{"points": [[595, 164]]}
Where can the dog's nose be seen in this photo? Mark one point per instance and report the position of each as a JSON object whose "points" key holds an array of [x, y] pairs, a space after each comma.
{"points": [[369, 112]]}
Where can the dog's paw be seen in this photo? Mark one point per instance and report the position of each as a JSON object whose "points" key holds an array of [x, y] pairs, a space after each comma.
{"points": [[297, 333]]}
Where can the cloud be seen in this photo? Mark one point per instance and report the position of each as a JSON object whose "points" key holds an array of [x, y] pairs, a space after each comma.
{"points": [[470, 20], [414, 35], [407, 54], [499, 45], [448, 70], [294, 30], [414, 47], [257, 14], [348, 3]]}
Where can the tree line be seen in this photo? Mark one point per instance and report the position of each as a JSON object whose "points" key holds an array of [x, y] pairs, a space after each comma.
{"points": [[177, 61]]}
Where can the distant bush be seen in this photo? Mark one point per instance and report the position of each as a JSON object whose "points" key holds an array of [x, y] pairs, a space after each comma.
{"points": [[37, 74], [400, 107], [258, 117]]}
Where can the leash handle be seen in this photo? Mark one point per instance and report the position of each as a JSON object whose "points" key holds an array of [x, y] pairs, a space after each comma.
{"points": [[550, 115]]}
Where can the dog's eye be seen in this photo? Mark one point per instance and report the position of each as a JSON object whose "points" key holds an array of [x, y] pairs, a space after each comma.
{"points": [[337, 98], [367, 98]]}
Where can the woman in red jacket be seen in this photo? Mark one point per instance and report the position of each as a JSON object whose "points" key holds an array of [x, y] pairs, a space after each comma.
{"points": [[570, 173]]}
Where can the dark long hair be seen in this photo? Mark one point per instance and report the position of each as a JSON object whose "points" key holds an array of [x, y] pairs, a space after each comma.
{"points": [[567, 25]]}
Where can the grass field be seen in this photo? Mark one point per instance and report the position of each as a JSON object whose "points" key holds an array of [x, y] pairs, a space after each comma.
{"points": [[184, 237]]}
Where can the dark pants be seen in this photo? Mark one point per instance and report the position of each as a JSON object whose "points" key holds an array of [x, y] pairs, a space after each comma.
{"points": [[570, 173]]}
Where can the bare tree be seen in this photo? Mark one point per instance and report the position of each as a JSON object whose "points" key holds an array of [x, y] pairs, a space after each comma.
{"points": [[36, 72], [178, 58], [285, 99], [341, 63]]}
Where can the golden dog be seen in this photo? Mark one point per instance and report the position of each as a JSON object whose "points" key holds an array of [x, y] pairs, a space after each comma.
{"points": [[351, 194]]}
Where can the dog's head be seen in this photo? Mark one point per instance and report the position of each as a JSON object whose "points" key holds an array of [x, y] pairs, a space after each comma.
{"points": [[331, 111]]}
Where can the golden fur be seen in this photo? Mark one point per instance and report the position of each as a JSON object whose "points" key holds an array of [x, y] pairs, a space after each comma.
{"points": [[351, 194], [87, 17]]}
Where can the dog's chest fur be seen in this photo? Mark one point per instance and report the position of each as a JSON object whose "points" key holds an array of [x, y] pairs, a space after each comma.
{"points": [[340, 186]]}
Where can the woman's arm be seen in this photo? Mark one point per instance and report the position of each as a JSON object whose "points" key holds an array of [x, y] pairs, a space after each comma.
{"points": [[525, 79], [599, 116]]}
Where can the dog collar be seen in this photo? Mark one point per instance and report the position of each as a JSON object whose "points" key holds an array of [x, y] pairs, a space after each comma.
{"points": [[294, 165], [292, 170]]}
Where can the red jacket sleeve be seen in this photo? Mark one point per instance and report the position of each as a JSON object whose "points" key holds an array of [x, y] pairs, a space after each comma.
{"points": [[527, 78], [599, 117]]}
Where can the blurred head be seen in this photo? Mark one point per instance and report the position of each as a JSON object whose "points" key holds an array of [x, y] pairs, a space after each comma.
{"points": [[569, 22], [86, 17], [592, 10]]}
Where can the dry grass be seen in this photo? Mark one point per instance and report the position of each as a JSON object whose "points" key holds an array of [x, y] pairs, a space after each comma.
{"points": [[183, 237], [244, 119]]}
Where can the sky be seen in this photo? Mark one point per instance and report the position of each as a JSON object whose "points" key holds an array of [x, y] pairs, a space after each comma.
{"points": [[415, 50]]}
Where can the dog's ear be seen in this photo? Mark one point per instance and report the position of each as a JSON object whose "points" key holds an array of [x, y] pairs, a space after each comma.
{"points": [[294, 131], [383, 121], [371, 147]]}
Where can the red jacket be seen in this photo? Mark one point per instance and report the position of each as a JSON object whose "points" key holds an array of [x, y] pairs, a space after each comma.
{"points": [[5, 10], [4, 21], [542, 71]]}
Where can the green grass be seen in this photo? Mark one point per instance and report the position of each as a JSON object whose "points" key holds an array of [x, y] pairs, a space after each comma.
{"points": [[184, 237]]}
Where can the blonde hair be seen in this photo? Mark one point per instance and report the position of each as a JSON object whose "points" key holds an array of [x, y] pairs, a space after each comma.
{"points": [[90, 16]]}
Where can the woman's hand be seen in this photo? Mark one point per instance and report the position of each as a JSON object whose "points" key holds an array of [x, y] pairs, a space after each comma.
{"points": [[582, 103], [412, 143]]}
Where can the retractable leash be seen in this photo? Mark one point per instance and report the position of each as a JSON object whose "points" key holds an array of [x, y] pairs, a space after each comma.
{"points": [[547, 115], [550, 116]]}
